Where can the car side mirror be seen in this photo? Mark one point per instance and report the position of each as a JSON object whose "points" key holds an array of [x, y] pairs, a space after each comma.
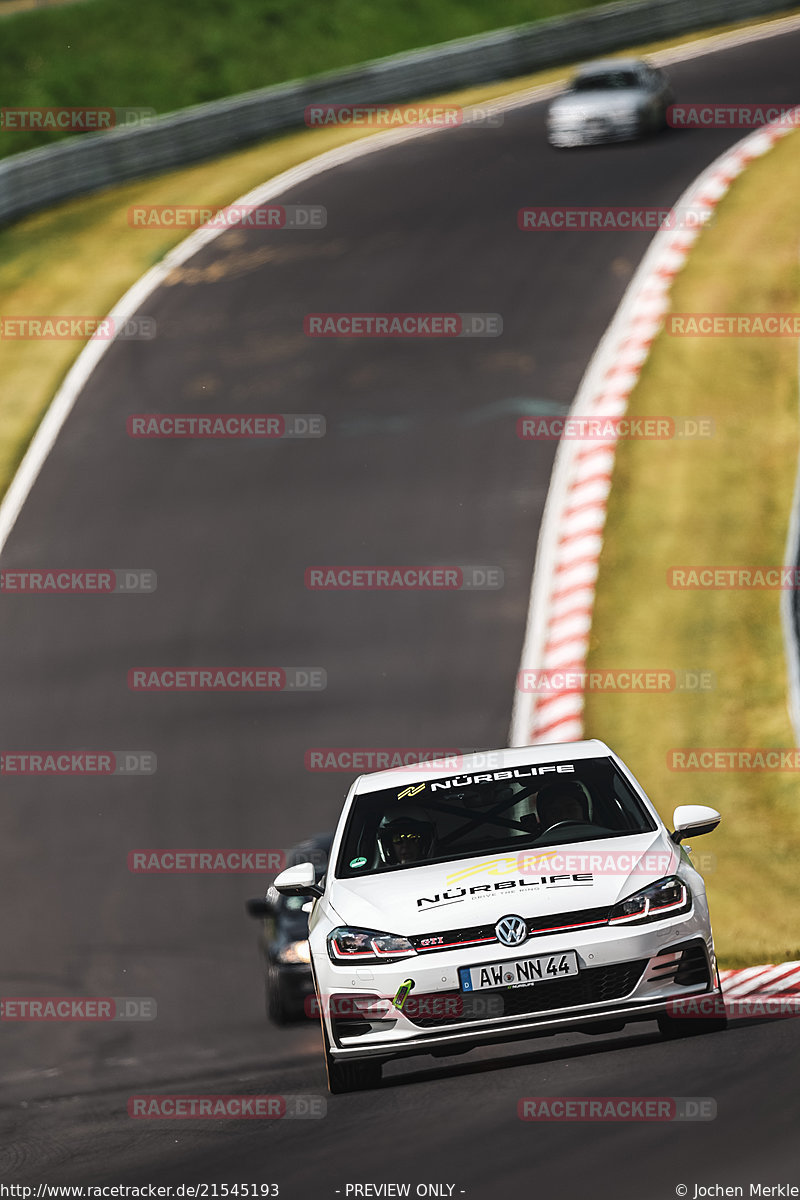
{"points": [[260, 907], [299, 880], [693, 819]]}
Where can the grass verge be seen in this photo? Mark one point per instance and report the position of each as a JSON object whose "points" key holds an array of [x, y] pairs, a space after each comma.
{"points": [[723, 500]]}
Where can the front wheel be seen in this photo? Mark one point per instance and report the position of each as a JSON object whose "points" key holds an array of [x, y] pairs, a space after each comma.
{"points": [[355, 1076], [279, 1008], [678, 1027]]}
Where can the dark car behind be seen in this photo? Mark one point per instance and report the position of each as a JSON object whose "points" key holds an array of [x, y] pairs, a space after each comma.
{"points": [[288, 984]]}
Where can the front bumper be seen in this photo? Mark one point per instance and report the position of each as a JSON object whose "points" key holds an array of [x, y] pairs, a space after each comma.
{"points": [[606, 1020], [632, 975], [591, 130]]}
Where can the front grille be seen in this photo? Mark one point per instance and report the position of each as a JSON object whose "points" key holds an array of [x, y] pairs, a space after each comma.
{"points": [[453, 939], [592, 986]]}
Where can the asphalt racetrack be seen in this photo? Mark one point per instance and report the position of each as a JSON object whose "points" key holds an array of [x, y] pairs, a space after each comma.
{"points": [[420, 465]]}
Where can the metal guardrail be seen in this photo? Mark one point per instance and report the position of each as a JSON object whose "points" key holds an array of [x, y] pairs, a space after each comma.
{"points": [[38, 178]]}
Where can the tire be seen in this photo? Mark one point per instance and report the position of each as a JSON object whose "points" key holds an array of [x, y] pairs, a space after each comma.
{"points": [[680, 1027], [349, 1076], [278, 1009]]}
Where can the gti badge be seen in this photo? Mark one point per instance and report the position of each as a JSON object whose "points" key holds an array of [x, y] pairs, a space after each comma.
{"points": [[511, 931]]}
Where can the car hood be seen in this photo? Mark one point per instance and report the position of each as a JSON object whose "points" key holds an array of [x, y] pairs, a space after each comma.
{"points": [[474, 891], [597, 104]]}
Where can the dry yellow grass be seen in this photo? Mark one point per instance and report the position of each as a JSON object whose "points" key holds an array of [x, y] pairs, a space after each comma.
{"points": [[723, 500]]}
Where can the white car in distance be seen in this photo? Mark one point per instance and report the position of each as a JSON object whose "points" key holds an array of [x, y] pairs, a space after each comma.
{"points": [[610, 100]]}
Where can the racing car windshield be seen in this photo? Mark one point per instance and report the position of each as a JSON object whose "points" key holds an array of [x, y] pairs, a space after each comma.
{"points": [[606, 81], [507, 810]]}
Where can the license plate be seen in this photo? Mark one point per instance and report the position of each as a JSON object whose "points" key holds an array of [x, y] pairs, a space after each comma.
{"points": [[519, 972]]}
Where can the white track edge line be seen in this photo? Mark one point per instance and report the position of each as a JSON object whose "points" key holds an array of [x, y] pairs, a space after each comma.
{"points": [[76, 378], [659, 255]]}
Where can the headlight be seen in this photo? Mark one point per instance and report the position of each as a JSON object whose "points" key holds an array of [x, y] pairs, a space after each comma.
{"points": [[295, 952], [667, 898], [366, 945]]}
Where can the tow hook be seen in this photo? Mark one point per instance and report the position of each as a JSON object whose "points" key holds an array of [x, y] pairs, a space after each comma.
{"points": [[402, 993]]}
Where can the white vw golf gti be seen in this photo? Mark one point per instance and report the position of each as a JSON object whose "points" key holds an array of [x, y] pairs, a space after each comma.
{"points": [[504, 895]]}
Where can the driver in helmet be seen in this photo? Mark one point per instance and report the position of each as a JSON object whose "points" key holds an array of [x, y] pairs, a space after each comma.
{"points": [[562, 801], [406, 838]]}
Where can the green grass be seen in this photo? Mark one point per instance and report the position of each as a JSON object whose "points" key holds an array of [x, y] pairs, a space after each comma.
{"points": [[169, 55], [721, 501]]}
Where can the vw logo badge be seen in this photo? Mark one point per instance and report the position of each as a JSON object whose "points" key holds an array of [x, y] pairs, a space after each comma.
{"points": [[511, 931]]}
